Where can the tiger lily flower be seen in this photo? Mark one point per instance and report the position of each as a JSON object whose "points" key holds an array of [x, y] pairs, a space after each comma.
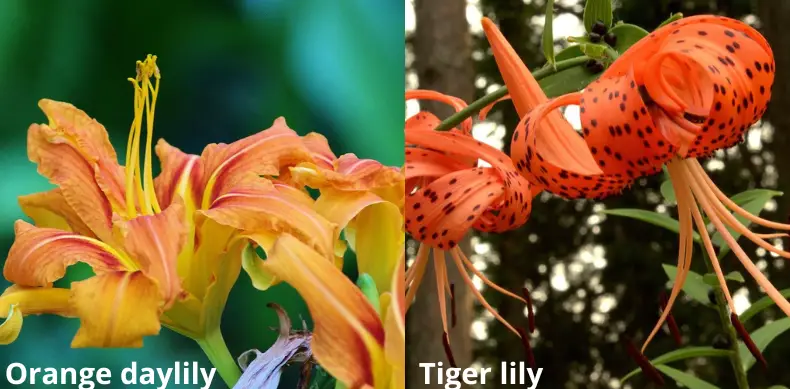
{"points": [[447, 195], [164, 250], [688, 89], [361, 196], [359, 343]]}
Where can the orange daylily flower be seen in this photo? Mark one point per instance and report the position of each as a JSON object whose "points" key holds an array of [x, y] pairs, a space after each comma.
{"points": [[688, 89], [360, 346], [448, 194], [164, 250]]}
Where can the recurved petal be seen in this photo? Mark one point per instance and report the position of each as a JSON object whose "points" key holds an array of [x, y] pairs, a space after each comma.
{"points": [[262, 154], [180, 175], [17, 301], [348, 338], [378, 230], [116, 309], [50, 210], [154, 243], [40, 256], [68, 124], [319, 146], [66, 168], [10, 328]]}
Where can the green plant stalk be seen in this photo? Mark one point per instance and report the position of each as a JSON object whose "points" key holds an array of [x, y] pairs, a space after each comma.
{"points": [[732, 336], [216, 350], [481, 103]]}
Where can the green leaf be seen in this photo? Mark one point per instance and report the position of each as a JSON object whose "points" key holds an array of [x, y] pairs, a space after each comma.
{"points": [[627, 35], [651, 217], [760, 305], [668, 191], [684, 353], [548, 33], [712, 280], [762, 338], [778, 387], [753, 201], [596, 10], [566, 81], [593, 50], [685, 379], [694, 286], [569, 52]]}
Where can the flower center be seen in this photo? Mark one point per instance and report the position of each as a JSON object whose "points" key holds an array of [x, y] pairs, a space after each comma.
{"points": [[140, 183]]}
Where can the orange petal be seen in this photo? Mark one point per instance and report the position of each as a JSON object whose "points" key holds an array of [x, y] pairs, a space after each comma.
{"points": [[259, 206], [116, 310], [523, 88], [155, 242], [319, 146], [180, 175], [262, 154], [65, 167], [74, 127], [349, 173], [50, 210], [348, 338], [40, 256], [378, 230], [394, 321], [17, 301]]}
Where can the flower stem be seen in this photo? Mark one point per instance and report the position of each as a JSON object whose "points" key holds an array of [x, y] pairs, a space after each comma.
{"points": [[479, 104], [217, 352], [732, 337]]}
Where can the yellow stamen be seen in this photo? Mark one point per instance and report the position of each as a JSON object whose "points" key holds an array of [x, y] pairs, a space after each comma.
{"points": [[140, 185]]}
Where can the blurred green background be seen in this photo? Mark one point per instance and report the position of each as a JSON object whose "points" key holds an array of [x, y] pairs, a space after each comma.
{"points": [[229, 68]]}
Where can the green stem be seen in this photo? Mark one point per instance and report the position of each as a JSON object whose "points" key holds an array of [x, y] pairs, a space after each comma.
{"points": [[732, 336], [217, 352], [481, 103]]}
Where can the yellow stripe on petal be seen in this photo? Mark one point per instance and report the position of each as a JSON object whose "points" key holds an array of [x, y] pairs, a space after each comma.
{"points": [[50, 210], [40, 256], [116, 310], [378, 230], [10, 328], [348, 338]]}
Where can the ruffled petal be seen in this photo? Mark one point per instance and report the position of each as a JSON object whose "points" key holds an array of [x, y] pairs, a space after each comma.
{"points": [[180, 176], [395, 326], [66, 168], [319, 146], [378, 230], [116, 309], [348, 173], [348, 339], [262, 154], [50, 210], [155, 242], [72, 126], [40, 256], [258, 206]]}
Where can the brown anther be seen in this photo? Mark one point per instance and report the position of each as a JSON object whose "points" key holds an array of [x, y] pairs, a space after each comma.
{"points": [[644, 364], [531, 312], [747, 340], [527, 347], [671, 323], [448, 351]]}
